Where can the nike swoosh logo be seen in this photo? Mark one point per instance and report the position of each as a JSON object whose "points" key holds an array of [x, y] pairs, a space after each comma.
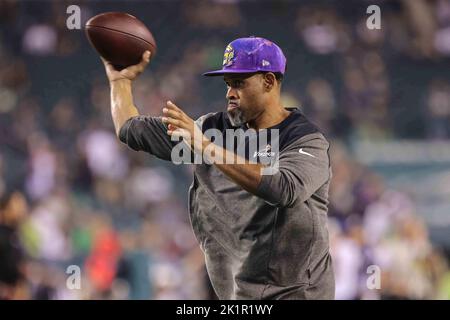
{"points": [[304, 152]]}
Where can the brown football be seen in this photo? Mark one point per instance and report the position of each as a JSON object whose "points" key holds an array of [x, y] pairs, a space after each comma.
{"points": [[120, 38]]}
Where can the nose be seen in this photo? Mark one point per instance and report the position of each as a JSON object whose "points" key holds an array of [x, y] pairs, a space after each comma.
{"points": [[231, 94]]}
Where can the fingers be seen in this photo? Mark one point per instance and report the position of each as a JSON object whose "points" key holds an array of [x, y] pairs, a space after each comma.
{"points": [[172, 113], [110, 69], [172, 121], [106, 63], [178, 123], [111, 72], [172, 106]]}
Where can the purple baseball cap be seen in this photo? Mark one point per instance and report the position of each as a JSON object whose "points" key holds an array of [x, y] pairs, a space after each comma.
{"points": [[249, 55]]}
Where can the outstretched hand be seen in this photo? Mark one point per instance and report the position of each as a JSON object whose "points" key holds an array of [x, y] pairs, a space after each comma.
{"points": [[181, 125], [129, 73]]}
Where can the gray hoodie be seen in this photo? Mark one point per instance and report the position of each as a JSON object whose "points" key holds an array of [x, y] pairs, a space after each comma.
{"points": [[269, 245]]}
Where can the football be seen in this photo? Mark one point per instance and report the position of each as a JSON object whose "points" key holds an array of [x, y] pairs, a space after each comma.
{"points": [[120, 38]]}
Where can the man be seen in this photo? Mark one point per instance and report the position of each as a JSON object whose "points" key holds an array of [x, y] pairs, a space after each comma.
{"points": [[264, 236]]}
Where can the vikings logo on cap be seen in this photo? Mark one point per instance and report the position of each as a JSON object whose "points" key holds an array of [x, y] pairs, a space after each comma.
{"points": [[228, 56]]}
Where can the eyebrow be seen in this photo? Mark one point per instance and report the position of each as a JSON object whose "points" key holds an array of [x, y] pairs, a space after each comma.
{"points": [[233, 79]]}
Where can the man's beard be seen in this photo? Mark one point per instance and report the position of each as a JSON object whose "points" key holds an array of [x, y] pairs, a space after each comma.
{"points": [[236, 117]]}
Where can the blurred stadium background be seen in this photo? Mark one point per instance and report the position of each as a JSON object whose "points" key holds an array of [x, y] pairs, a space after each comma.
{"points": [[71, 194]]}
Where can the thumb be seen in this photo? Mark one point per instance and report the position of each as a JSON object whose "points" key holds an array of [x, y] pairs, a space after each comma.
{"points": [[146, 56], [145, 60], [138, 68]]}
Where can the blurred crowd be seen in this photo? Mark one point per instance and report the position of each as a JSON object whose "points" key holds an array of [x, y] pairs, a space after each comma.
{"points": [[72, 195]]}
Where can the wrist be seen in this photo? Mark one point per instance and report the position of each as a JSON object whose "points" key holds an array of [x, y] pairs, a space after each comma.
{"points": [[120, 82]]}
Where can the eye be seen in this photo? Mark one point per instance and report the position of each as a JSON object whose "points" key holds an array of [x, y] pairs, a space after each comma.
{"points": [[234, 83], [238, 83]]}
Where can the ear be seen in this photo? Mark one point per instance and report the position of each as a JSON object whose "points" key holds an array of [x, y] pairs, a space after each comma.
{"points": [[269, 81]]}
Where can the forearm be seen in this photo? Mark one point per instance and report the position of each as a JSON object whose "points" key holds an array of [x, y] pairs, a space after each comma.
{"points": [[245, 174], [122, 106]]}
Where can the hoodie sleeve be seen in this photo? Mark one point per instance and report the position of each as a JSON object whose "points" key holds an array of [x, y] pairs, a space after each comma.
{"points": [[149, 134], [303, 167]]}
